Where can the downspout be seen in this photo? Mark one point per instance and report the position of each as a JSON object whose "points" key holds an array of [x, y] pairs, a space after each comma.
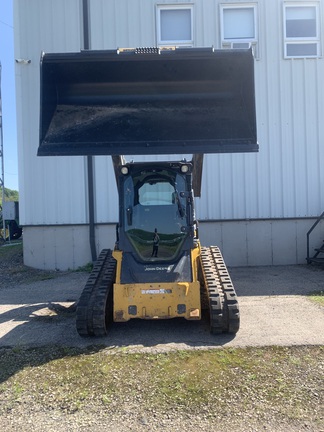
{"points": [[90, 167]]}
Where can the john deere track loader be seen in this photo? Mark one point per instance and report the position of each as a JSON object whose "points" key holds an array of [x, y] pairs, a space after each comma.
{"points": [[152, 101]]}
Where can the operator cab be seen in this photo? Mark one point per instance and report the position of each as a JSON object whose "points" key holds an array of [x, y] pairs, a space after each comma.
{"points": [[157, 211]]}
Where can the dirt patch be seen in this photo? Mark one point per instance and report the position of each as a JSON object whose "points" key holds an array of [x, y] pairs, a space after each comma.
{"points": [[14, 272]]}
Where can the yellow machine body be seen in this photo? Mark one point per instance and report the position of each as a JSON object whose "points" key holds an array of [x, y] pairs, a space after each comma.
{"points": [[157, 300]]}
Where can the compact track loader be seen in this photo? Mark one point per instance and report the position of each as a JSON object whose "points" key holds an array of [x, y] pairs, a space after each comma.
{"points": [[144, 102]]}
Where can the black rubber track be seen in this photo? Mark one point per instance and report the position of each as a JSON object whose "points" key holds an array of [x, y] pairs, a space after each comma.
{"points": [[220, 292], [95, 308]]}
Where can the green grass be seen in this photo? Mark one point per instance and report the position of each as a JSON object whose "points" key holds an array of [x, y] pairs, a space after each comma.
{"points": [[317, 297], [86, 268], [285, 381], [11, 250]]}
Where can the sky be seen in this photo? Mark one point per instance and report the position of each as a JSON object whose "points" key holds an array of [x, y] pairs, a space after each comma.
{"points": [[9, 127]]}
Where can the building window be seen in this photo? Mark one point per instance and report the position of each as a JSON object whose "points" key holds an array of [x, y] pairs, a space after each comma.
{"points": [[175, 25], [239, 26], [301, 30]]}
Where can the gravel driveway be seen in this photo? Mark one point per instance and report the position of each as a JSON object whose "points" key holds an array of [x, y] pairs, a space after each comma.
{"points": [[273, 305]]}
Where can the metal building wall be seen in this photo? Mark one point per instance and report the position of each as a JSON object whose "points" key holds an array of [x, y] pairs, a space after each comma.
{"points": [[283, 181], [52, 190]]}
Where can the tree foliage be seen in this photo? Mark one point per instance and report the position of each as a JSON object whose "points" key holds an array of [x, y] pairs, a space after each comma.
{"points": [[10, 195]]}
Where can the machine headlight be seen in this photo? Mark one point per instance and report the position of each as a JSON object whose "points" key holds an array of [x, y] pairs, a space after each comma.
{"points": [[184, 169], [124, 170]]}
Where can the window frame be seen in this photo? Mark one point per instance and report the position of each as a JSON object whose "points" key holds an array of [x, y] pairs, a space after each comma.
{"points": [[229, 42], [304, 40], [174, 42]]}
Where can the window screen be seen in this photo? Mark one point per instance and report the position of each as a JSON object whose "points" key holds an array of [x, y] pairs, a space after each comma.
{"points": [[239, 23], [301, 50], [301, 31], [239, 27], [174, 26], [301, 22]]}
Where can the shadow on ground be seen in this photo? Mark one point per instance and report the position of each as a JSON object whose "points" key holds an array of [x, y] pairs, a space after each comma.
{"points": [[43, 314]]}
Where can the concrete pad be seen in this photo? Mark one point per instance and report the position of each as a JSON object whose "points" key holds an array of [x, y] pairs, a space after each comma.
{"points": [[273, 307]]}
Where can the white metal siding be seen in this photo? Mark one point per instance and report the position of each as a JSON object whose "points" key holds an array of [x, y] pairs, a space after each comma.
{"points": [[284, 180], [52, 190], [243, 243], [106, 198]]}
